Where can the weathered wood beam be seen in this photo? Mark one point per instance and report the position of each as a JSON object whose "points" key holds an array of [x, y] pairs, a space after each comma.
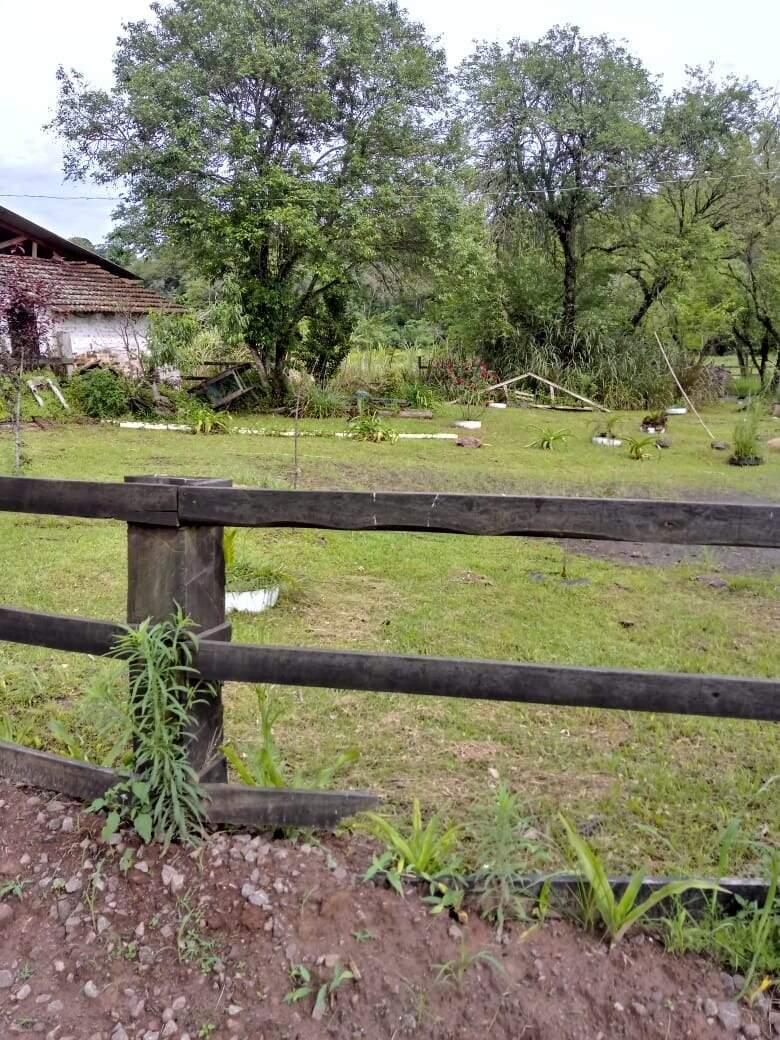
{"points": [[684, 694], [231, 804], [138, 503], [57, 632], [633, 520]]}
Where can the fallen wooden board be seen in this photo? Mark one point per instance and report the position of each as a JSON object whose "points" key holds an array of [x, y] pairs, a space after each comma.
{"points": [[251, 807]]}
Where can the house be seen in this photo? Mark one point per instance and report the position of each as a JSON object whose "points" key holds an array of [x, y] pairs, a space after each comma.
{"points": [[99, 310]]}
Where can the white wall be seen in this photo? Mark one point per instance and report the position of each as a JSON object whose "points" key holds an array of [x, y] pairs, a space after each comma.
{"points": [[116, 338]]}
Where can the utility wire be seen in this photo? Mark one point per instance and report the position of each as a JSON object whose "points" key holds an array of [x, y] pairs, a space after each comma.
{"points": [[648, 189]]}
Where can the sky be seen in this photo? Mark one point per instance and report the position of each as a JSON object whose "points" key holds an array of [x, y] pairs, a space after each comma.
{"points": [[38, 35]]}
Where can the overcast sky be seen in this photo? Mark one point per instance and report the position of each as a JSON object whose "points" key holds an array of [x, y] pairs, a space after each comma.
{"points": [[38, 35]]}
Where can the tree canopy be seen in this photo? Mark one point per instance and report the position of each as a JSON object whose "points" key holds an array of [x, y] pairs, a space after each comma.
{"points": [[286, 144]]}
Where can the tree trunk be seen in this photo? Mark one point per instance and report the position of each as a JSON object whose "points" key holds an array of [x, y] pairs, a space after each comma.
{"points": [[566, 236]]}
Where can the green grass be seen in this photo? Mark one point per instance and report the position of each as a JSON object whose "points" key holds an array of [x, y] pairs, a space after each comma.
{"points": [[659, 788]]}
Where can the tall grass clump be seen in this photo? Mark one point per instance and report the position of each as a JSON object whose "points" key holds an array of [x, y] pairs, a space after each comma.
{"points": [[620, 371]]}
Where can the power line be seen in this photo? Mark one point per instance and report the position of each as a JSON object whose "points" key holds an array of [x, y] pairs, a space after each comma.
{"points": [[643, 184]]}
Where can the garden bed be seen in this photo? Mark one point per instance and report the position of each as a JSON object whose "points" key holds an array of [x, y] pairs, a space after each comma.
{"points": [[117, 942]]}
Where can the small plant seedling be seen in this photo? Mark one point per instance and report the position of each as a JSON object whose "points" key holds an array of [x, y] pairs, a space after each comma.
{"points": [[447, 898], [423, 850], [12, 888], [362, 935], [549, 437], [457, 969], [639, 447], [206, 1030], [618, 915], [324, 992]]}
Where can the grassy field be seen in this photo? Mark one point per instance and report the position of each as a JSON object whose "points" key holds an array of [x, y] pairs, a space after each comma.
{"points": [[655, 788]]}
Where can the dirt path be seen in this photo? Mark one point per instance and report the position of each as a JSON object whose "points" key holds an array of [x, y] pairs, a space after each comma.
{"points": [[731, 559], [121, 943]]}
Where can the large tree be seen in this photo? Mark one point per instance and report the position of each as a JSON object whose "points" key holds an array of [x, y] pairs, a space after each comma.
{"points": [[561, 129], [283, 144]]}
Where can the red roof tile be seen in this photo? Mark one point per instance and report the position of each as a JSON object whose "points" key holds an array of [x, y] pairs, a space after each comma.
{"points": [[78, 287]]}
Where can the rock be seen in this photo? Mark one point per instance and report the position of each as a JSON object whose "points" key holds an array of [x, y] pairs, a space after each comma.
{"points": [[720, 446], [468, 442], [145, 955], [119, 1032], [663, 442], [102, 924], [260, 898], [752, 1031], [55, 1007], [730, 1016], [179, 1004], [639, 1009], [454, 932], [169, 1029], [710, 1007], [773, 444], [73, 885], [6, 914], [68, 825], [774, 1022], [6, 979], [23, 992], [90, 990], [172, 879]]}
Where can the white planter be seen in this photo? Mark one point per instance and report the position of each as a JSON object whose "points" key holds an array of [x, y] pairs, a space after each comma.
{"points": [[469, 424], [497, 404], [251, 602], [607, 442], [676, 410]]}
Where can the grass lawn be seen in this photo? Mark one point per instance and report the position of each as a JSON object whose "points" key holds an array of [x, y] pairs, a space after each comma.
{"points": [[658, 789]]}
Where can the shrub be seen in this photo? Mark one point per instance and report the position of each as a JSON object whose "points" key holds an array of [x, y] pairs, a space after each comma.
{"points": [[100, 393], [371, 427], [747, 386], [462, 376], [322, 402]]}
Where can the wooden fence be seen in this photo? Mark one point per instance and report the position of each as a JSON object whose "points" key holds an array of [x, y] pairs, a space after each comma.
{"points": [[175, 555]]}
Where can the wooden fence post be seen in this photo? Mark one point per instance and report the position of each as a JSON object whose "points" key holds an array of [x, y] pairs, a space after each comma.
{"points": [[184, 565]]}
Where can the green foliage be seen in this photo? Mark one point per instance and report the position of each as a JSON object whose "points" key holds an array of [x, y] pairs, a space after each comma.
{"points": [[607, 426], [549, 437], [322, 402], [640, 448], [126, 803], [747, 386], [229, 536], [618, 915], [745, 436], [159, 657], [325, 991], [170, 342], [7, 732], [423, 850], [264, 766], [746, 942], [506, 845], [457, 969], [372, 428], [205, 420], [416, 394], [100, 393]]}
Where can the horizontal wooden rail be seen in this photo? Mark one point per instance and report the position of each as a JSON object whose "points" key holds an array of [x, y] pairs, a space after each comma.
{"points": [[57, 632], [225, 803], [634, 520], [684, 694], [136, 503]]}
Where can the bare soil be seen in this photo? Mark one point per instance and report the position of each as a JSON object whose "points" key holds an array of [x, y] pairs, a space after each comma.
{"points": [[121, 942]]}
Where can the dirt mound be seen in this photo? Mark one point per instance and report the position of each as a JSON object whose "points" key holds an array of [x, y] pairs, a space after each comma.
{"points": [[121, 942]]}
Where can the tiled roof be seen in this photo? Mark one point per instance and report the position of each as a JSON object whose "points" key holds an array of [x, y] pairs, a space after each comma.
{"points": [[77, 287]]}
